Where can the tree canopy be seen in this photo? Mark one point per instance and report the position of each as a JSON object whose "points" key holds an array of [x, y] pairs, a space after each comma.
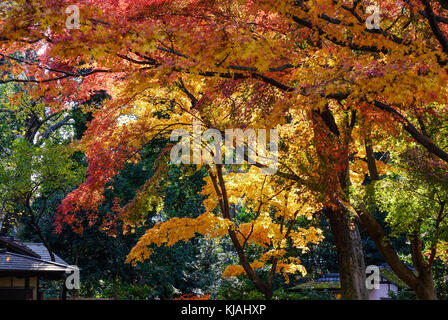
{"points": [[357, 100]]}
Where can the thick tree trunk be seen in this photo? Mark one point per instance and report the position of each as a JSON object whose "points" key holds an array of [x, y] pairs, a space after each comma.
{"points": [[425, 287], [350, 255], [346, 234]]}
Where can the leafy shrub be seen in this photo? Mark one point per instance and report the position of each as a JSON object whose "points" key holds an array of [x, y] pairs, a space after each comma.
{"points": [[238, 288], [282, 294]]}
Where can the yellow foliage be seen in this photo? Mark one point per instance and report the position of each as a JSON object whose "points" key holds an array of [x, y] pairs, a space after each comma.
{"points": [[175, 230]]}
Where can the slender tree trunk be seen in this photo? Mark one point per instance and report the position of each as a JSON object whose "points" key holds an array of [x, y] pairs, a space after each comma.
{"points": [[7, 223], [423, 284], [269, 293], [50, 251], [220, 188], [44, 241]]}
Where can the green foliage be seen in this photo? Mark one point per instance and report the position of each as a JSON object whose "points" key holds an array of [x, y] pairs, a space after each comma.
{"points": [[402, 295], [440, 274], [51, 289], [238, 288], [31, 176], [415, 197], [121, 290], [30, 169], [282, 294]]}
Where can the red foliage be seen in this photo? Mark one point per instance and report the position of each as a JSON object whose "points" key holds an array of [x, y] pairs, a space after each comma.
{"points": [[191, 296]]}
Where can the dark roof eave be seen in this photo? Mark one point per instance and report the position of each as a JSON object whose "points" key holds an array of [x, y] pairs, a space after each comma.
{"points": [[15, 271], [44, 275]]}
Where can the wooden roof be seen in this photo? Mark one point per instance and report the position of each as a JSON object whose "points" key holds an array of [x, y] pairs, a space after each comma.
{"points": [[10, 261], [28, 257]]}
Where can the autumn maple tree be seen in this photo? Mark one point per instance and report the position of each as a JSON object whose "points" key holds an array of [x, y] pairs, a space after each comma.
{"points": [[340, 92]]}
